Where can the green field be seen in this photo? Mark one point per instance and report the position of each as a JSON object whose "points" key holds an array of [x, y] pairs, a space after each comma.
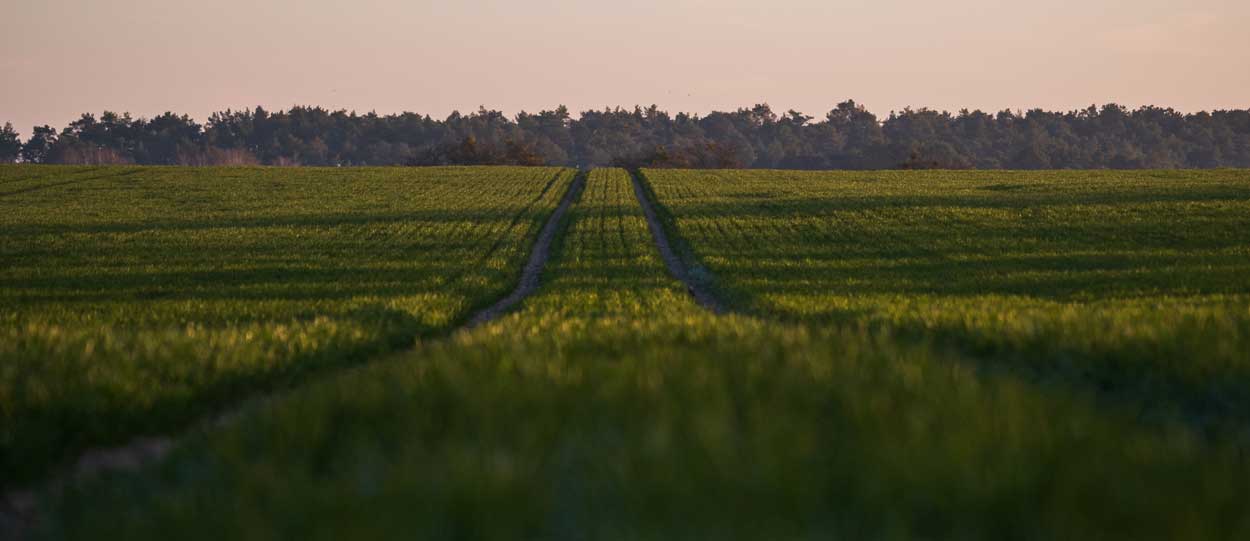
{"points": [[133, 300], [1133, 285], [967, 355]]}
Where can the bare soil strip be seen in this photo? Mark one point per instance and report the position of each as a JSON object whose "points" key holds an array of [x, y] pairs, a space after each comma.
{"points": [[533, 270], [676, 267], [18, 507], [499, 242]]}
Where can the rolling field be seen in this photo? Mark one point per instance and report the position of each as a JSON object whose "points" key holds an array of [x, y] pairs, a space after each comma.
{"points": [[136, 300], [918, 355]]}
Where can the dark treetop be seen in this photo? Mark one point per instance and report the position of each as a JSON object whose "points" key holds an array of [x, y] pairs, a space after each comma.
{"points": [[849, 137]]}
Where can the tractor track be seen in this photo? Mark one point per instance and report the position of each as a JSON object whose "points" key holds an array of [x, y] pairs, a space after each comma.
{"points": [[539, 254], [697, 288]]}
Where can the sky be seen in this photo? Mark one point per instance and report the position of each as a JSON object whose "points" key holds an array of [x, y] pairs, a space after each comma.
{"points": [[61, 58]]}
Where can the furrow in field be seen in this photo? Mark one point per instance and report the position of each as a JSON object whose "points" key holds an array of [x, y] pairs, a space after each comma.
{"points": [[50, 185], [532, 272], [501, 239], [697, 288]]}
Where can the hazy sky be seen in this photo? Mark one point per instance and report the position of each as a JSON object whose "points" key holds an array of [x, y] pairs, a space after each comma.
{"points": [[64, 57]]}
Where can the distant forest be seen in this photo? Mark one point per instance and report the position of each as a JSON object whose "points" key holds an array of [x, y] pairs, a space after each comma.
{"points": [[848, 137]]}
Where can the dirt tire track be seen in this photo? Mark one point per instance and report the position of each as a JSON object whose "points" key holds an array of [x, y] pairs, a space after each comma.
{"points": [[676, 267], [516, 218], [533, 270], [19, 508], [50, 185]]}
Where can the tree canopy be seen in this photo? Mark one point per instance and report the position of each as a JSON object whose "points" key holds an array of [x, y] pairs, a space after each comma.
{"points": [[849, 137]]}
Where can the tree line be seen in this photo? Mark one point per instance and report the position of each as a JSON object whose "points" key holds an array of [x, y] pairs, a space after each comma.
{"points": [[848, 137]]}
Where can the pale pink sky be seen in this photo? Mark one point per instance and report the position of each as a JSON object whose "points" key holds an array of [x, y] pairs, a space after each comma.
{"points": [[64, 57]]}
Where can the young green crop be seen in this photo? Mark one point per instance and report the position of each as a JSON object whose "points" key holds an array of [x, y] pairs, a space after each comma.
{"points": [[1134, 285], [134, 300], [610, 406]]}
